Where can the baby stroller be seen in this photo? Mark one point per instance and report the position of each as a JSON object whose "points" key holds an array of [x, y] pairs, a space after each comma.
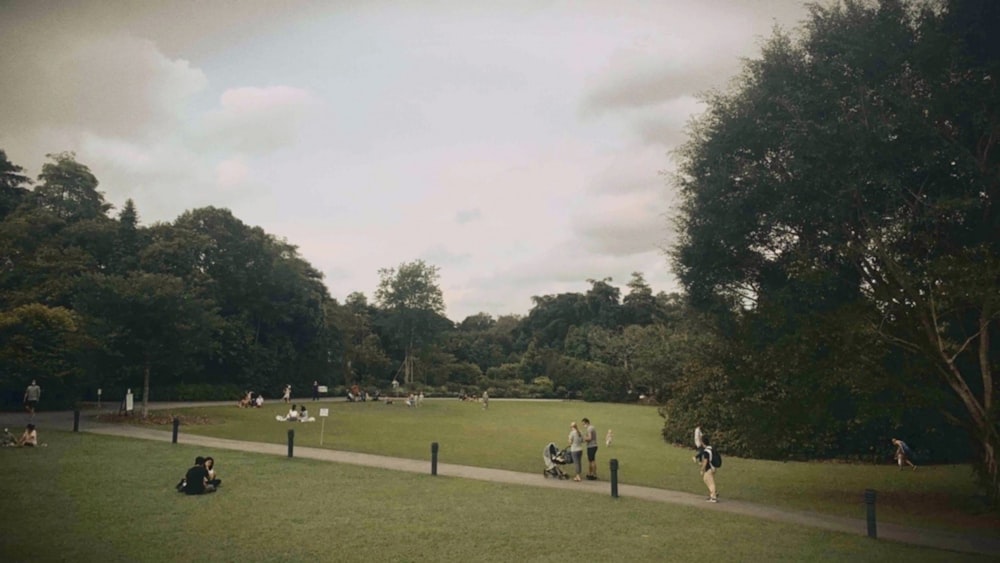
{"points": [[554, 457]]}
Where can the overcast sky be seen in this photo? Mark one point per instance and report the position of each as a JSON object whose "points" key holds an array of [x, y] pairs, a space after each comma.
{"points": [[518, 146]]}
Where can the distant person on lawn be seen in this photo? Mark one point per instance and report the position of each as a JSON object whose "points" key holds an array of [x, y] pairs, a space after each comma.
{"points": [[195, 481], [29, 438], [213, 479], [31, 396], [704, 459], [904, 455], [576, 448], [590, 438]]}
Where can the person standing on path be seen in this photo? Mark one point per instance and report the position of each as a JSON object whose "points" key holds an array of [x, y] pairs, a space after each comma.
{"points": [[590, 437], [576, 449], [704, 459], [31, 396], [698, 443], [315, 390], [486, 400]]}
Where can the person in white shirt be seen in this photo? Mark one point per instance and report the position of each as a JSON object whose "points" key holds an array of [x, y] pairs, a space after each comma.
{"points": [[29, 438]]}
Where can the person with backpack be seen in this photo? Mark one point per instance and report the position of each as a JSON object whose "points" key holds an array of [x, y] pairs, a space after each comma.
{"points": [[709, 461]]}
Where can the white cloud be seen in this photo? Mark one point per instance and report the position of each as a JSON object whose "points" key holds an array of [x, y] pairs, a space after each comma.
{"points": [[259, 120], [515, 146], [115, 85], [232, 173]]}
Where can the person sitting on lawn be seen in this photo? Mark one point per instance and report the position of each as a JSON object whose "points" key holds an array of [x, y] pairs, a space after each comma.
{"points": [[195, 481], [303, 414], [8, 439], [213, 479], [29, 438]]}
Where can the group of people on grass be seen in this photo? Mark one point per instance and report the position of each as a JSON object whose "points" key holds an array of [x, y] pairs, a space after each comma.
{"points": [[251, 400], [578, 441], [29, 438], [300, 415], [201, 478], [484, 399]]}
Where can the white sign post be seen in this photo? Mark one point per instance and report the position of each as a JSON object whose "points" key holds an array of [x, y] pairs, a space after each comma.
{"points": [[323, 413]]}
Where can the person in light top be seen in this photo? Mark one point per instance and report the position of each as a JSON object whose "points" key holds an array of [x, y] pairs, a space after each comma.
{"points": [[29, 438]]}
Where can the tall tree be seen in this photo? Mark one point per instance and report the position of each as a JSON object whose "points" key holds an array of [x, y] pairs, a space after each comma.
{"points": [[856, 168], [69, 189], [639, 307], [152, 322], [414, 306], [13, 185]]}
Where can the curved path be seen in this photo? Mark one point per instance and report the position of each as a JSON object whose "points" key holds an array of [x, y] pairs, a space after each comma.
{"points": [[893, 532]]}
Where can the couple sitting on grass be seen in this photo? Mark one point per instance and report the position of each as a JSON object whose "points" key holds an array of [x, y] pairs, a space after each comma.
{"points": [[301, 415], [201, 478]]}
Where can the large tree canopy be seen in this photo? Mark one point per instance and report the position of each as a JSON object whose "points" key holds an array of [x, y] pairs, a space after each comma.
{"points": [[413, 307], [856, 170]]}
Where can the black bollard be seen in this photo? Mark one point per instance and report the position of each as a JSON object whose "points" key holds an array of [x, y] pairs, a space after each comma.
{"points": [[76, 420], [291, 441], [870, 506], [177, 425], [614, 478], [434, 458]]}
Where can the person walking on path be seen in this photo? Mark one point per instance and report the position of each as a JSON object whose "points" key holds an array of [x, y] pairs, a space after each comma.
{"points": [[904, 454], [486, 400], [590, 437], [31, 396], [576, 449], [704, 459], [287, 396], [698, 443]]}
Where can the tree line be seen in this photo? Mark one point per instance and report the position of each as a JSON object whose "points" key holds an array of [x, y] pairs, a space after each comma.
{"points": [[206, 306]]}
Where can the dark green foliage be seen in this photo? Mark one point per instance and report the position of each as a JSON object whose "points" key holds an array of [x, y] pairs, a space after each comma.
{"points": [[847, 185]]}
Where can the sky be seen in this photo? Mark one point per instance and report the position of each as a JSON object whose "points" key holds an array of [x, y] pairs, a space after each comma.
{"points": [[522, 147]]}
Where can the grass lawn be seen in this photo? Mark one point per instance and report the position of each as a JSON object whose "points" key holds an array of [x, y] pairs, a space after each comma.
{"points": [[97, 498], [511, 435]]}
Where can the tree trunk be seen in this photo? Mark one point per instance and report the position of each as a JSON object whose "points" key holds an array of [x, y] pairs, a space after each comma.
{"points": [[982, 415], [988, 444], [145, 390]]}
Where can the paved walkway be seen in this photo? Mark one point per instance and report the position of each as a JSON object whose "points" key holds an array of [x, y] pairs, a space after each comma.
{"points": [[915, 536]]}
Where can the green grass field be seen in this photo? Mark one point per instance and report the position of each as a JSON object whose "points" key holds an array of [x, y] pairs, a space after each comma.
{"points": [[511, 435], [97, 498]]}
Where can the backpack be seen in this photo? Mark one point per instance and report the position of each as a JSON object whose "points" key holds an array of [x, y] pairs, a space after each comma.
{"points": [[715, 459]]}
